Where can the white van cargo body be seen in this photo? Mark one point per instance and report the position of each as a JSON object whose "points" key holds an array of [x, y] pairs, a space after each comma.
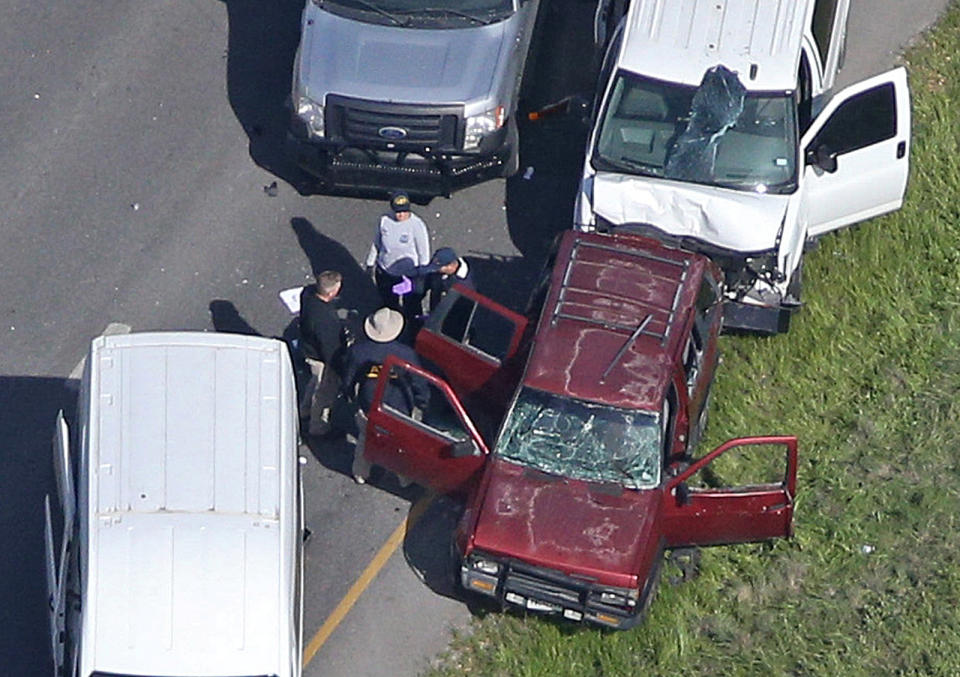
{"points": [[181, 553]]}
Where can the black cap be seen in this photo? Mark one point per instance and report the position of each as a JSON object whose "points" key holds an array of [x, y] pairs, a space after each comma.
{"points": [[400, 202], [443, 257]]}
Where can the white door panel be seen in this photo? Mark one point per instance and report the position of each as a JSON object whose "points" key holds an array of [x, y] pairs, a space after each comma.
{"points": [[869, 180], [64, 473]]}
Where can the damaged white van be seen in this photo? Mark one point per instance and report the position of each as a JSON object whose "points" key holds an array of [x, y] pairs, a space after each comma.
{"points": [[715, 129], [180, 548]]}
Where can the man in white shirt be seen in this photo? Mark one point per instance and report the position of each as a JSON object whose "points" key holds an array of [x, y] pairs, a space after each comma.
{"points": [[399, 249]]}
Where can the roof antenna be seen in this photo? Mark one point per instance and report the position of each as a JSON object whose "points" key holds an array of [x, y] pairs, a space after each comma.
{"points": [[625, 346]]}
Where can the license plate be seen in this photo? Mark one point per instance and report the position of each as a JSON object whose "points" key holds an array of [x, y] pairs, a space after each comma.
{"points": [[534, 605], [515, 598]]}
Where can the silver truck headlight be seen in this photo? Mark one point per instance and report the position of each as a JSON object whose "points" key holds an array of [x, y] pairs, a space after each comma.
{"points": [[478, 126], [311, 113]]}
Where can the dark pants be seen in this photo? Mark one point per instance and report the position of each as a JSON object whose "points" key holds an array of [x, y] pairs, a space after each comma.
{"points": [[410, 304]]}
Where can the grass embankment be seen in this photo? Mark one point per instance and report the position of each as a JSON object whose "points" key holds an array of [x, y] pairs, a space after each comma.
{"points": [[869, 379]]}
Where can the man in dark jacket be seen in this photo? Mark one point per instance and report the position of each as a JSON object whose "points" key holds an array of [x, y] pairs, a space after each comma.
{"points": [[446, 270], [322, 343], [365, 360]]}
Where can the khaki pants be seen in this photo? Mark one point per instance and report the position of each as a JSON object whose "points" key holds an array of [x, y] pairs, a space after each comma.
{"points": [[318, 396]]}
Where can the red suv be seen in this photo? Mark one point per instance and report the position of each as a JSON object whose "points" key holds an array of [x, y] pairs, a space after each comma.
{"points": [[572, 440]]}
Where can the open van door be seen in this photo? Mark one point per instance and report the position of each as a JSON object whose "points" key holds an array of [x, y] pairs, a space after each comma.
{"points": [[856, 154], [63, 470], [56, 593], [739, 514], [57, 563], [439, 447], [470, 337]]}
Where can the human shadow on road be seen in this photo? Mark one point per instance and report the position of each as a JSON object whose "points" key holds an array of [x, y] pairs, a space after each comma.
{"points": [[227, 319], [29, 408], [325, 253]]}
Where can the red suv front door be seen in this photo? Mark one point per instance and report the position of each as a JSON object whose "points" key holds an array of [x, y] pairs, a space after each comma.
{"points": [[438, 447]]}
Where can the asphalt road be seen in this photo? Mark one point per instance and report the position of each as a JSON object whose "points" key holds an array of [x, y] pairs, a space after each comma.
{"points": [[137, 141]]}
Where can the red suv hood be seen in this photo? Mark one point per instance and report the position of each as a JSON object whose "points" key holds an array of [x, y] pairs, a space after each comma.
{"points": [[567, 525]]}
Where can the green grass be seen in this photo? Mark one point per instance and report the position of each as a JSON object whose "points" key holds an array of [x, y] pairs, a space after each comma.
{"points": [[869, 379]]}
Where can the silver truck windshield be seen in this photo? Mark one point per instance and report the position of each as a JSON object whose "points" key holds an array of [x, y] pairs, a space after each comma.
{"points": [[716, 134], [580, 440], [427, 13]]}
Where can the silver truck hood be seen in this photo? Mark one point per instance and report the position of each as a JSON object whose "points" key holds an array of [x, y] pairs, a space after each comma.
{"points": [[746, 222], [407, 65]]}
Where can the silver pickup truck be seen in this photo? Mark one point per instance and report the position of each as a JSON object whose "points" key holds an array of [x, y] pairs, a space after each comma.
{"points": [[409, 94]]}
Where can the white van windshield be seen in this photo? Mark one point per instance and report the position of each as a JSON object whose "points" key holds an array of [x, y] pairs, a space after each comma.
{"points": [[717, 134]]}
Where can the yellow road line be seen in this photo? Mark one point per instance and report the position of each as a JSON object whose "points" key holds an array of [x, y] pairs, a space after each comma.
{"points": [[361, 584]]}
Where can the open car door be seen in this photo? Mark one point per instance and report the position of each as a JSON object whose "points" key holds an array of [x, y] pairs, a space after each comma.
{"points": [[58, 559], [437, 447], [470, 337], [856, 154], [696, 515]]}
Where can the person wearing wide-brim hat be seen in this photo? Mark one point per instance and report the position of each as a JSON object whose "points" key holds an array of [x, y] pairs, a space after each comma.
{"points": [[365, 360], [400, 248]]}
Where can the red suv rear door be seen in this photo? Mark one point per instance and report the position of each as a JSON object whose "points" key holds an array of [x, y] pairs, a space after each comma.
{"points": [[470, 337], [440, 448], [740, 514]]}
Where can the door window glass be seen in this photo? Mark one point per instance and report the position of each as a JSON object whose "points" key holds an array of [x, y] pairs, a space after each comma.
{"points": [[436, 415], [693, 358], [865, 119], [478, 327], [824, 13], [805, 104], [743, 467]]}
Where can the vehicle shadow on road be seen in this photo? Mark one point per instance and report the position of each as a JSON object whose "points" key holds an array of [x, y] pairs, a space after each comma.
{"points": [[29, 405], [540, 197], [262, 43], [426, 547]]}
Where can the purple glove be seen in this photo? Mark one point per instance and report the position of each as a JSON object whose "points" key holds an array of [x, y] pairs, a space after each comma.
{"points": [[405, 286]]}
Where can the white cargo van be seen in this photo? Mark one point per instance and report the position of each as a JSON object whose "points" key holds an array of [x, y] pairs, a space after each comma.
{"points": [[180, 547]]}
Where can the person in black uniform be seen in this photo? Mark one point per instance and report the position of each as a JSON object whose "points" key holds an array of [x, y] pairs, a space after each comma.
{"points": [[322, 342], [364, 362], [446, 269]]}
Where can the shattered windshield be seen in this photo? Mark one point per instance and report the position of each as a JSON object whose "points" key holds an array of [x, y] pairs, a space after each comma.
{"points": [[717, 134], [579, 440], [427, 13]]}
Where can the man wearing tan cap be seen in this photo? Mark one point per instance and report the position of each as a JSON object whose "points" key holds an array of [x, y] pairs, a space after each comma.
{"points": [[400, 247]]}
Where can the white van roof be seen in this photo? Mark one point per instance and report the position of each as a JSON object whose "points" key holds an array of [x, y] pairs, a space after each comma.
{"points": [[678, 40], [192, 448]]}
